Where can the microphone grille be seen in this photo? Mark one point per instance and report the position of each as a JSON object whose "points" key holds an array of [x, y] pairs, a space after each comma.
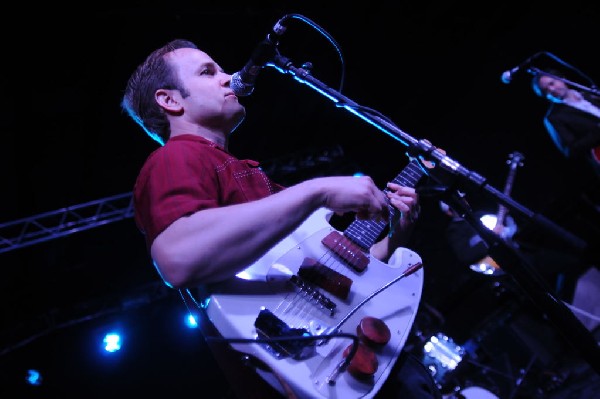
{"points": [[240, 88]]}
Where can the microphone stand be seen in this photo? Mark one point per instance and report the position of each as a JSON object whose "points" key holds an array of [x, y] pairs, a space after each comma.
{"points": [[511, 261]]}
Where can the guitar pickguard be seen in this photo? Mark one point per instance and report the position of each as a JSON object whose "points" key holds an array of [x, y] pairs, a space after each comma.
{"points": [[235, 305]]}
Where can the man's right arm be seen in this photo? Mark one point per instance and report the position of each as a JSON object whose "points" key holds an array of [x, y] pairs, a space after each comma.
{"points": [[215, 244]]}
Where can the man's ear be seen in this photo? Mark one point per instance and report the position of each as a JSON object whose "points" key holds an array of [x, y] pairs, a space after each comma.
{"points": [[167, 101]]}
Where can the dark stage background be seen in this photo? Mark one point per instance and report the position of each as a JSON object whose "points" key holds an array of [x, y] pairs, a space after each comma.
{"points": [[434, 70]]}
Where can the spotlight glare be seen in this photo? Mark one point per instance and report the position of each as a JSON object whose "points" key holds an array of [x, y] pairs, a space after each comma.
{"points": [[33, 377], [489, 221], [191, 321], [112, 342]]}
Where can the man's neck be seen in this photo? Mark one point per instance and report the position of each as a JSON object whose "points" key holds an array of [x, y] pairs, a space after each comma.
{"points": [[210, 135], [573, 96]]}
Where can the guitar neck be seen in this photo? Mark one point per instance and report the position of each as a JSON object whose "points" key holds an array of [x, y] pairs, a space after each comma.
{"points": [[501, 215], [365, 233], [515, 161]]}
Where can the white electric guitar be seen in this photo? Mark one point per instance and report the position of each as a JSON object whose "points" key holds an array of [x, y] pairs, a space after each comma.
{"points": [[300, 302]]}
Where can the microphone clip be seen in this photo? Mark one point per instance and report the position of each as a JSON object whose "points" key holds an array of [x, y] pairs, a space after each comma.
{"points": [[243, 81]]}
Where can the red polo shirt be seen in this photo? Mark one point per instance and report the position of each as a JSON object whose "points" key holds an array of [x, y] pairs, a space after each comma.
{"points": [[188, 174]]}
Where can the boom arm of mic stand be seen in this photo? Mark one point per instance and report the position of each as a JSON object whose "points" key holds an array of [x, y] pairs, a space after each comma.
{"points": [[422, 149], [562, 316]]}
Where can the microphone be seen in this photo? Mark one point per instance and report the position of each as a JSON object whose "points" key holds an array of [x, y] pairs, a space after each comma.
{"points": [[242, 82], [507, 76]]}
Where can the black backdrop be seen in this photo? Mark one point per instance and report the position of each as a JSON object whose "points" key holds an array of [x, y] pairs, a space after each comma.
{"points": [[434, 70]]}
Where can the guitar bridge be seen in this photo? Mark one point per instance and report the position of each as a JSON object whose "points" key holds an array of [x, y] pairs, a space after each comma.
{"points": [[283, 341], [314, 294]]}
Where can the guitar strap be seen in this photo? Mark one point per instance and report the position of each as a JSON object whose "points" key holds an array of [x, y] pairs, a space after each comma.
{"points": [[240, 369]]}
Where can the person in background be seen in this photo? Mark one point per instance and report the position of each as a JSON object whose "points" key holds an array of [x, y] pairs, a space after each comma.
{"points": [[572, 121], [207, 214]]}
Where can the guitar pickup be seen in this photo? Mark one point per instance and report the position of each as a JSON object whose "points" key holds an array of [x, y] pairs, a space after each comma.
{"points": [[349, 252], [322, 276]]}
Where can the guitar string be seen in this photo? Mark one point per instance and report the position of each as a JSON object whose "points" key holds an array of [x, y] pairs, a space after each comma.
{"points": [[299, 311]]}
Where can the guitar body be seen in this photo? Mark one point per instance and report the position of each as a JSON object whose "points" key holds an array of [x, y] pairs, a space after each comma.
{"points": [[234, 307]]}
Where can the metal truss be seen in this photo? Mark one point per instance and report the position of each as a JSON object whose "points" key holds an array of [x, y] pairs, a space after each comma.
{"points": [[50, 225], [61, 222]]}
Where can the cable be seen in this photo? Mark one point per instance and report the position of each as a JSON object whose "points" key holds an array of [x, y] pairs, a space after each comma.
{"points": [[581, 311], [577, 70], [353, 350], [330, 38], [355, 340]]}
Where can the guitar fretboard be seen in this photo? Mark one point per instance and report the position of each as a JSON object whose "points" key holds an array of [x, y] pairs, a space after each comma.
{"points": [[365, 233]]}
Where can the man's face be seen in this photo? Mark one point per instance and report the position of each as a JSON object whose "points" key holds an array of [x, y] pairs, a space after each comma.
{"points": [[209, 101], [552, 88]]}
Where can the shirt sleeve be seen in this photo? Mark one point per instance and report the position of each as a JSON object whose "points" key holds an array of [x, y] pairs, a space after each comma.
{"points": [[173, 183]]}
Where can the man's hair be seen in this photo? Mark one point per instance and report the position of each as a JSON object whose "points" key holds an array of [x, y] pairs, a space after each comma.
{"points": [[535, 81], [153, 74]]}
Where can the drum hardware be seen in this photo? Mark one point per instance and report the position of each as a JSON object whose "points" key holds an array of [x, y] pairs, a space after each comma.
{"points": [[441, 355]]}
